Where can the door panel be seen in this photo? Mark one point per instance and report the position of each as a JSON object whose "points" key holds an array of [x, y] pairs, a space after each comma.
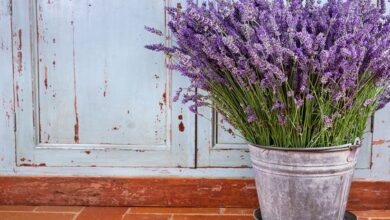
{"points": [[87, 91], [219, 145]]}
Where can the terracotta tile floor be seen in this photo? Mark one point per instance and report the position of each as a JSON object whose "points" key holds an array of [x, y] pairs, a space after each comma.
{"points": [[143, 213]]}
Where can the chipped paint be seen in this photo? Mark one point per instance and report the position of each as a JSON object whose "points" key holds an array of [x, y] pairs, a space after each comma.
{"points": [[19, 59], [76, 125], [164, 96], [378, 142], [20, 39], [161, 105], [32, 165], [45, 78], [181, 127], [105, 88], [17, 94]]}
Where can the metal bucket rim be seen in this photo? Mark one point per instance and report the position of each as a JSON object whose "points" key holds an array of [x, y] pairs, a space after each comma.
{"points": [[311, 149]]}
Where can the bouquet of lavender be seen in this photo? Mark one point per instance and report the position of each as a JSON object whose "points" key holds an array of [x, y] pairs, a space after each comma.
{"points": [[295, 74]]}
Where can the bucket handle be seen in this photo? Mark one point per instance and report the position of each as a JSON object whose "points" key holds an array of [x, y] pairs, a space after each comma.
{"points": [[354, 150]]}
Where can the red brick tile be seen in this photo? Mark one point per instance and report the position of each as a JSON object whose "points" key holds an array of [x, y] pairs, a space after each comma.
{"points": [[373, 213], [236, 211], [147, 217], [16, 208], [174, 210], [102, 213], [211, 217], [35, 216], [72, 209]]}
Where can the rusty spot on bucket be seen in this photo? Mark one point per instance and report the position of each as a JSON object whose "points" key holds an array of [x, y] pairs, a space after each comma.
{"points": [[178, 6], [180, 117], [87, 151]]}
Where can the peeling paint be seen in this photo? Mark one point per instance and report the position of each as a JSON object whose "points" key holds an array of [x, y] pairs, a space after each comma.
{"points": [[33, 165], [76, 125], [164, 97], [20, 62], [19, 53], [105, 88], [378, 142], [20, 39], [17, 94], [181, 127], [45, 78]]}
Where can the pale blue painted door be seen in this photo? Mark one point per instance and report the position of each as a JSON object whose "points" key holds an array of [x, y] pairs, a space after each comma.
{"points": [[87, 91]]}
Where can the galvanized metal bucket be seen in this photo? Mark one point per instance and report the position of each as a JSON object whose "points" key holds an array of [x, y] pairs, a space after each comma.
{"points": [[303, 183]]}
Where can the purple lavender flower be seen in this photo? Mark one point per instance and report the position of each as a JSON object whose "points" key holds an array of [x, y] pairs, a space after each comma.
{"points": [[154, 31], [384, 99], [251, 115], [327, 121], [281, 53]]}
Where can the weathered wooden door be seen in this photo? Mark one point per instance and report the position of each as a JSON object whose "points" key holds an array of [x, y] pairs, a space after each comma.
{"points": [[87, 91]]}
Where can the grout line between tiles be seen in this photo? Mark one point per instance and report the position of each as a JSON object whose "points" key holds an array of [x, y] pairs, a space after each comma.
{"points": [[77, 214], [127, 212]]}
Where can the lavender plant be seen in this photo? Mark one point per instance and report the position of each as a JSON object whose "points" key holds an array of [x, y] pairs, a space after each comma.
{"points": [[289, 74]]}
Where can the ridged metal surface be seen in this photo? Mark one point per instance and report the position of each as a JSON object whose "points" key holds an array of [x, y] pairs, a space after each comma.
{"points": [[303, 184]]}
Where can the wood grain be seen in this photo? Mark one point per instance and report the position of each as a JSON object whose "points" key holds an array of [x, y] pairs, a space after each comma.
{"points": [[166, 192]]}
